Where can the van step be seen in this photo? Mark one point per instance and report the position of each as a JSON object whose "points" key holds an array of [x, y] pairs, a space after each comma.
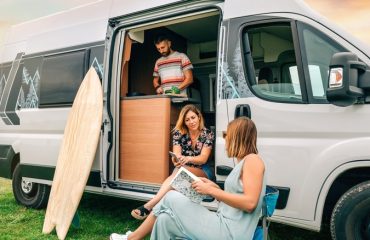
{"points": [[136, 187]]}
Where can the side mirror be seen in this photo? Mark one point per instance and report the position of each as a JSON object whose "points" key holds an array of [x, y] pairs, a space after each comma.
{"points": [[349, 81]]}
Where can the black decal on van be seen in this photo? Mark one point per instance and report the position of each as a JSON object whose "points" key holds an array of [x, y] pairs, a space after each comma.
{"points": [[10, 94]]}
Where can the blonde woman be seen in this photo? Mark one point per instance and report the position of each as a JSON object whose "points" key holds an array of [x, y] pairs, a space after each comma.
{"points": [[240, 203], [192, 144]]}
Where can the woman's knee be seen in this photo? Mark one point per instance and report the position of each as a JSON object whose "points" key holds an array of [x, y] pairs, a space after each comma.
{"points": [[172, 197], [163, 219], [165, 227]]}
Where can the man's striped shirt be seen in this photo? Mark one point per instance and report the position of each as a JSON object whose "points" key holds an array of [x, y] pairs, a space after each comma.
{"points": [[171, 69]]}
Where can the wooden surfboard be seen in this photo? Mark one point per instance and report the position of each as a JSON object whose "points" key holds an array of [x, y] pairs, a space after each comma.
{"points": [[77, 152]]}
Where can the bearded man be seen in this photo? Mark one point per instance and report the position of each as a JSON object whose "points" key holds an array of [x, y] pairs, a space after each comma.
{"points": [[173, 71]]}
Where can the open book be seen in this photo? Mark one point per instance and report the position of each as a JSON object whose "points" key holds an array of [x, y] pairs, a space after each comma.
{"points": [[182, 183]]}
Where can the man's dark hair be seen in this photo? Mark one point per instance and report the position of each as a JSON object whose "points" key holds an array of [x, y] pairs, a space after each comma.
{"points": [[161, 38]]}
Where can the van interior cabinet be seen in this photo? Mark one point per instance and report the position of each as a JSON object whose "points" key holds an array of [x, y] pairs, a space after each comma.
{"points": [[145, 134]]}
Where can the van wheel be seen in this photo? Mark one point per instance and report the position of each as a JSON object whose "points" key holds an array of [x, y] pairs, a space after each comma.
{"points": [[351, 215], [27, 193]]}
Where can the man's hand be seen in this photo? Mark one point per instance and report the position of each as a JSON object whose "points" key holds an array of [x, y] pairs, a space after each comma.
{"points": [[159, 90], [157, 85]]}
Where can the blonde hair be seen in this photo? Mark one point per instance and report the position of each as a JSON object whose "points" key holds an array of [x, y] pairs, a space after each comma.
{"points": [[241, 138], [180, 124]]}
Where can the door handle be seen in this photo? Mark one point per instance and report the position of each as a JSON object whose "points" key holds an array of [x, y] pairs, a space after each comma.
{"points": [[242, 110]]}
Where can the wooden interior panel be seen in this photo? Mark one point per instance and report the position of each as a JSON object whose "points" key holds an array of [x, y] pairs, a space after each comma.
{"points": [[145, 140]]}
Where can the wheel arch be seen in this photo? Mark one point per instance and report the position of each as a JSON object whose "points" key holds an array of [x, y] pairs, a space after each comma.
{"points": [[16, 160], [8, 161], [29, 194], [337, 183]]}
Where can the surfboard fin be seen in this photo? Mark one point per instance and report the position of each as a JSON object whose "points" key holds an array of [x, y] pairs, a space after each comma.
{"points": [[76, 220]]}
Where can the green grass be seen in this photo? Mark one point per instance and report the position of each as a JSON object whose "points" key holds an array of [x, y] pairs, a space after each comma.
{"points": [[99, 216]]}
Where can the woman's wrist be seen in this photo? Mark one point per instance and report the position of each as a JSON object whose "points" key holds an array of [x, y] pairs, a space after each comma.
{"points": [[212, 191]]}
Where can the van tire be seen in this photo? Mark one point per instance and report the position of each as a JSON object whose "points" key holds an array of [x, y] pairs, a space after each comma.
{"points": [[350, 218], [32, 195]]}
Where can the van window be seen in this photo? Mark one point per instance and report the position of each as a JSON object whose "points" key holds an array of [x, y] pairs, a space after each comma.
{"points": [[61, 76], [274, 60], [317, 50]]}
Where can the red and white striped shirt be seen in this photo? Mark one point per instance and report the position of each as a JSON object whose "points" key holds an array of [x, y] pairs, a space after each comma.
{"points": [[171, 69]]}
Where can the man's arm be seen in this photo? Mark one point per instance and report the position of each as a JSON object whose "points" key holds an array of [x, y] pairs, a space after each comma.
{"points": [[157, 85], [188, 79]]}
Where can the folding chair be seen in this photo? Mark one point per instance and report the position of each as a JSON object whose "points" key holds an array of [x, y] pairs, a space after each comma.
{"points": [[268, 207]]}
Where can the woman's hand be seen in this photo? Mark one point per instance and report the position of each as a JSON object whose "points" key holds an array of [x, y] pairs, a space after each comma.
{"points": [[184, 160], [206, 180], [176, 163], [204, 186]]}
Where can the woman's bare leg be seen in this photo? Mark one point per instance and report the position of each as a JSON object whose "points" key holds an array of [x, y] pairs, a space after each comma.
{"points": [[144, 229], [166, 187], [196, 171]]}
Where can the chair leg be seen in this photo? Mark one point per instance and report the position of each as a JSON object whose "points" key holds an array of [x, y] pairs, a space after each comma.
{"points": [[264, 226]]}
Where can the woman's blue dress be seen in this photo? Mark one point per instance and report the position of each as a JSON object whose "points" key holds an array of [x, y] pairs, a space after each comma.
{"points": [[180, 218]]}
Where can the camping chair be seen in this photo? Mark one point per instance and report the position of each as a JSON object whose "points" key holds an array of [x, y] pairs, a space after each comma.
{"points": [[268, 207]]}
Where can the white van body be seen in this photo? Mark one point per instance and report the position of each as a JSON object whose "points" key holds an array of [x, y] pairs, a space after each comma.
{"points": [[314, 151]]}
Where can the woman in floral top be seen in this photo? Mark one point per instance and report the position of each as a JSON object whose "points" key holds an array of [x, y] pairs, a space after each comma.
{"points": [[192, 144], [189, 150]]}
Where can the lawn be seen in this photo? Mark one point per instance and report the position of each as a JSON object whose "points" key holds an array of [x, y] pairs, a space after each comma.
{"points": [[100, 216]]}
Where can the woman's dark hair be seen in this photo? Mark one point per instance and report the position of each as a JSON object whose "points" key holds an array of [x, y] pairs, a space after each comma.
{"points": [[161, 38]]}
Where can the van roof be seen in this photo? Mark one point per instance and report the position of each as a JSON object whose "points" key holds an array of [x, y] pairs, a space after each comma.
{"points": [[79, 25], [88, 23]]}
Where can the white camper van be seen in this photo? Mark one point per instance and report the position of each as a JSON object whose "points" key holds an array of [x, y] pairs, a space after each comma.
{"points": [[305, 84]]}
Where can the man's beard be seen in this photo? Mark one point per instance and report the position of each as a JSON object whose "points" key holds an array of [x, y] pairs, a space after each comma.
{"points": [[165, 54]]}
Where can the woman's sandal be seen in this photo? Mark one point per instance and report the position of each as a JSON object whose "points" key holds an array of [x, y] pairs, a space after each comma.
{"points": [[143, 213]]}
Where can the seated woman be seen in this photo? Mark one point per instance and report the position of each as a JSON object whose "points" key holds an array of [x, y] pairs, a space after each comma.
{"points": [[240, 203], [192, 144]]}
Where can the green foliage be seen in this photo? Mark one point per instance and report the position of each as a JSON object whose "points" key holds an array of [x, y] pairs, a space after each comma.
{"points": [[99, 217]]}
